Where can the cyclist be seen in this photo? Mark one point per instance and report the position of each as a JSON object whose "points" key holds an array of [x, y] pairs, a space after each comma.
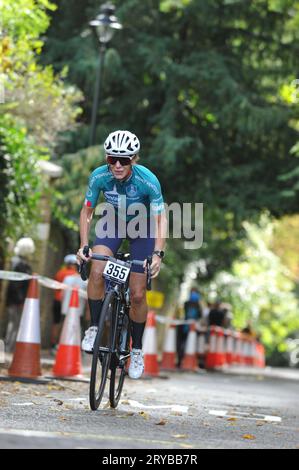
{"points": [[122, 178]]}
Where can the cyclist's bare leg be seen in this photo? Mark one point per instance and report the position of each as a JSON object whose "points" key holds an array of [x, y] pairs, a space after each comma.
{"points": [[96, 284], [138, 311]]}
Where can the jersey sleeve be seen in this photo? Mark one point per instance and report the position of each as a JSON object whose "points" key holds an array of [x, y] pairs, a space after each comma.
{"points": [[94, 189], [155, 196]]}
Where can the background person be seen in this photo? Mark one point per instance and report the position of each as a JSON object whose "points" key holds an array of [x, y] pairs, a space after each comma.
{"points": [[192, 311], [217, 315]]}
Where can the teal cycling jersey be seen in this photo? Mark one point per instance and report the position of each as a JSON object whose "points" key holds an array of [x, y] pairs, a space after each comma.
{"points": [[141, 187]]}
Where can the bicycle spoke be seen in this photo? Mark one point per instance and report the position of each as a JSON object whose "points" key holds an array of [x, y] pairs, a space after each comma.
{"points": [[102, 355]]}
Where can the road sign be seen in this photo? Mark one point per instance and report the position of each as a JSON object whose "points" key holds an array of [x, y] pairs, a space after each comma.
{"points": [[155, 299]]}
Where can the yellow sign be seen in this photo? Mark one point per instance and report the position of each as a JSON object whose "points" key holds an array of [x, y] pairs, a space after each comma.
{"points": [[155, 299]]}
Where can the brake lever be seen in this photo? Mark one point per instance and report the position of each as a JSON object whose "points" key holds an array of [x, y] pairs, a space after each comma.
{"points": [[148, 273]]}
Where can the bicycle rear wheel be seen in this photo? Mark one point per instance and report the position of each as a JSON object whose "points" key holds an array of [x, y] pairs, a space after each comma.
{"points": [[102, 352], [117, 365]]}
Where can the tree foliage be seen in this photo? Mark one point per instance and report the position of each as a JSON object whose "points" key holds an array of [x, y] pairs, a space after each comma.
{"points": [[37, 107], [33, 93], [202, 83], [260, 288], [22, 180]]}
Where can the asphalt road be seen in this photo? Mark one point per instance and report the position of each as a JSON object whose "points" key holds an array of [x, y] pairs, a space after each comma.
{"points": [[183, 411]]}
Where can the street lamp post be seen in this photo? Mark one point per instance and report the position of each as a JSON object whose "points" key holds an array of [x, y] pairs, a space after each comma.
{"points": [[105, 25]]}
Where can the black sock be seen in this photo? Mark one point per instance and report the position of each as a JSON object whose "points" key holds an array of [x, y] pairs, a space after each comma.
{"points": [[137, 333], [95, 307]]}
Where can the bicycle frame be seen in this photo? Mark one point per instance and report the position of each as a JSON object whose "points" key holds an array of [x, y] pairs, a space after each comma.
{"points": [[113, 357]]}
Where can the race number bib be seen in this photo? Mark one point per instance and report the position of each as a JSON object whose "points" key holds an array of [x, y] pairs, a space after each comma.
{"points": [[116, 272]]}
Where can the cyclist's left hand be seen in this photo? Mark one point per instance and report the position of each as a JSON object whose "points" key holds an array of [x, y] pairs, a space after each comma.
{"points": [[155, 266]]}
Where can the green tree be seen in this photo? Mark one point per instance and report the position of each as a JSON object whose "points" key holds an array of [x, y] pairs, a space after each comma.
{"points": [[203, 85], [260, 289], [37, 107]]}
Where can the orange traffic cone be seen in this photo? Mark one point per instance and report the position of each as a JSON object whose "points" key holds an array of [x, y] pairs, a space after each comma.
{"points": [[151, 367], [211, 356], [238, 348], [190, 356], [220, 352], [259, 356], [229, 346], [169, 350], [26, 360], [68, 358]]}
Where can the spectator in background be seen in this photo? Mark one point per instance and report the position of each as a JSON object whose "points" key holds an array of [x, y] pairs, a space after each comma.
{"points": [[249, 331], [192, 311], [17, 290], [216, 315], [69, 268], [206, 312], [228, 315]]}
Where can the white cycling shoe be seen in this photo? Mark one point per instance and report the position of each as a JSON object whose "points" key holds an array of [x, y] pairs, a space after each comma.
{"points": [[137, 364], [89, 339]]}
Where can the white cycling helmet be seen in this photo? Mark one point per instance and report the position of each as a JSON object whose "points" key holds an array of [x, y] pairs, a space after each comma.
{"points": [[122, 144], [70, 259]]}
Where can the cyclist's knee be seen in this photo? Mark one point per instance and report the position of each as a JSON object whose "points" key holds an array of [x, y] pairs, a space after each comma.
{"points": [[138, 297], [96, 276]]}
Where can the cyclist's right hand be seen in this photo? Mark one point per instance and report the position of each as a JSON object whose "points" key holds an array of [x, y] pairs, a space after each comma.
{"points": [[83, 256]]}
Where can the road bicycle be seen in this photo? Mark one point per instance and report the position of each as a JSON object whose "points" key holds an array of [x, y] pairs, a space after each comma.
{"points": [[111, 350]]}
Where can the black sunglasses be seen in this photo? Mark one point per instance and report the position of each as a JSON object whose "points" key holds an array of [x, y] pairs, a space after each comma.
{"points": [[124, 161]]}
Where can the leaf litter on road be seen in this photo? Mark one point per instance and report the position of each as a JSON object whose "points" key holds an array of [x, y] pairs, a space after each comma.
{"points": [[162, 422], [249, 437]]}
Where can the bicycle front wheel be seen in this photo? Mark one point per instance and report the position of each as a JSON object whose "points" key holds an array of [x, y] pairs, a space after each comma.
{"points": [[118, 364], [102, 352]]}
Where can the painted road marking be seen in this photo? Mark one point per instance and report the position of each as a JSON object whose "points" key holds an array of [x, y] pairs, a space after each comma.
{"points": [[77, 399], [23, 404], [176, 408], [247, 415], [94, 437]]}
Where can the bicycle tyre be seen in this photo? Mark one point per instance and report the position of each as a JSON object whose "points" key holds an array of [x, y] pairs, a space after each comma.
{"points": [[117, 383], [96, 393]]}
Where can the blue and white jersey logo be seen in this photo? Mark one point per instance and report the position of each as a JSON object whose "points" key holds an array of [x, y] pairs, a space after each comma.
{"points": [[112, 197], [131, 190]]}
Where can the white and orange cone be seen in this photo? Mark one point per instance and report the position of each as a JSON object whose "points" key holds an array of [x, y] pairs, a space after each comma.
{"points": [[229, 346], [151, 367], [211, 356], [169, 350], [68, 358], [260, 356], [220, 350], [26, 360], [190, 356]]}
